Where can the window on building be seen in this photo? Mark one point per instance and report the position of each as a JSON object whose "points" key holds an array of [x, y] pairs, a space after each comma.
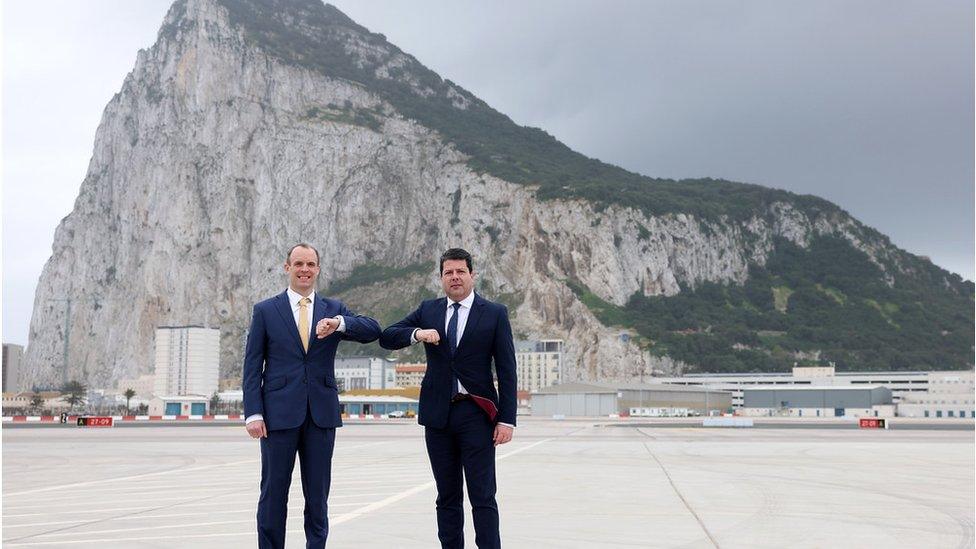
{"points": [[926, 413], [938, 413], [952, 414]]}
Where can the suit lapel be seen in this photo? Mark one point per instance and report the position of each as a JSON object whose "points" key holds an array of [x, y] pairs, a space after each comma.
{"points": [[440, 317], [288, 317], [474, 315], [318, 313]]}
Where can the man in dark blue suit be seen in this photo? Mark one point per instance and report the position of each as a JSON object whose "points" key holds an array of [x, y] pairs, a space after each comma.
{"points": [[464, 417], [290, 398]]}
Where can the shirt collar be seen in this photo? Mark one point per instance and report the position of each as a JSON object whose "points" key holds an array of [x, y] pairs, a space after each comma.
{"points": [[466, 302], [294, 296]]}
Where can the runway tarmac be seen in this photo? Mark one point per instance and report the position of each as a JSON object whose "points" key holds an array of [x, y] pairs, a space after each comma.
{"points": [[561, 484]]}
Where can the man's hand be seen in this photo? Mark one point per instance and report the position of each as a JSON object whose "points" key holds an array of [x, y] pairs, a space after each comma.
{"points": [[326, 326], [257, 429], [428, 336], [503, 434]]}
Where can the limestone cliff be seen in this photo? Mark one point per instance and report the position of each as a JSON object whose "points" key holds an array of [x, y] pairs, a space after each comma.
{"points": [[221, 151]]}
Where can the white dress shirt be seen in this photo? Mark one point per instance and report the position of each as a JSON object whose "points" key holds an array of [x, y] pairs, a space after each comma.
{"points": [[293, 299]]}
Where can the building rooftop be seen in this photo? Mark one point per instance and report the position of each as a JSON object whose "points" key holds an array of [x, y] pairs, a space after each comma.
{"points": [[184, 398], [375, 398], [814, 388], [408, 392], [604, 387]]}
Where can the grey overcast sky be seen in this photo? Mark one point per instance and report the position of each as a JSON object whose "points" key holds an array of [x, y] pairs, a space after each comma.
{"points": [[866, 103]]}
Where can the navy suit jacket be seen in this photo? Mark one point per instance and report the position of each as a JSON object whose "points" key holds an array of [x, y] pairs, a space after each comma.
{"points": [[282, 381], [487, 338]]}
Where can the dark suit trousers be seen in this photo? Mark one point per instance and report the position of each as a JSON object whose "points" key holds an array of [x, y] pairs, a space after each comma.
{"points": [[313, 445], [465, 444]]}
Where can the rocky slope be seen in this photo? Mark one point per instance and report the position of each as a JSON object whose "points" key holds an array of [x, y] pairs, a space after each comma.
{"points": [[229, 142]]}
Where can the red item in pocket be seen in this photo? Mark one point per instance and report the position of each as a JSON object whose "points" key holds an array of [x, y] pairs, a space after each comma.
{"points": [[487, 405]]}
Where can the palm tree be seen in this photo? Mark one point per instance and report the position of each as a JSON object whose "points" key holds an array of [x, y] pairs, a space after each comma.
{"points": [[36, 401], [75, 393], [129, 393]]}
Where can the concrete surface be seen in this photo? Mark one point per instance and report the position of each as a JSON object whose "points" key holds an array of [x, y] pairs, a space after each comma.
{"points": [[561, 484]]}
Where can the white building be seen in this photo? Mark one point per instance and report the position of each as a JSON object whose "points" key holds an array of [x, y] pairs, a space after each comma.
{"points": [[410, 374], [901, 384], [187, 360], [143, 385], [364, 372], [13, 354], [179, 405], [538, 364], [950, 394]]}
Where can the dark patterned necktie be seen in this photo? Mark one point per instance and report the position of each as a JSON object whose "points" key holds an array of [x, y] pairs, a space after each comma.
{"points": [[452, 326]]}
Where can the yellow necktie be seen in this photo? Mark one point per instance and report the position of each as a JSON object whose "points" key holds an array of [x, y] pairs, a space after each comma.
{"points": [[303, 321]]}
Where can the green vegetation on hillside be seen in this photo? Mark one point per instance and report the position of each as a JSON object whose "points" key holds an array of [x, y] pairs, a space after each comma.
{"points": [[830, 297], [314, 36], [366, 275], [346, 114]]}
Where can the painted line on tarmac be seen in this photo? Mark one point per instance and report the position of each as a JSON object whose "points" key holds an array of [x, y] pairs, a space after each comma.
{"points": [[173, 515], [416, 489], [130, 477], [338, 520], [141, 528], [166, 472], [143, 538]]}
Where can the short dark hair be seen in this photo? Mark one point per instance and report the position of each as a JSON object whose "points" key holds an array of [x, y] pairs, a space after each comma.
{"points": [[457, 253], [302, 245]]}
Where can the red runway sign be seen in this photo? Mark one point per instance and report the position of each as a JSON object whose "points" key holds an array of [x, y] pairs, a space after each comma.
{"points": [[95, 421], [872, 423]]}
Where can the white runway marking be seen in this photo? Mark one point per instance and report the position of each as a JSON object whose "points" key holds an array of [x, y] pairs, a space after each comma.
{"points": [[130, 477], [416, 489], [764, 487]]}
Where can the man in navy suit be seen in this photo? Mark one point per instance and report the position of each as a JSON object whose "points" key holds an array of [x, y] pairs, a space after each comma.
{"points": [[464, 417], [290, 398]]}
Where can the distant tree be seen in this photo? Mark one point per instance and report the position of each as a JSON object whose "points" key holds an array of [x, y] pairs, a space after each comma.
{"points": [[74, 393], [214, 402], [36, 401], [129, 393]]}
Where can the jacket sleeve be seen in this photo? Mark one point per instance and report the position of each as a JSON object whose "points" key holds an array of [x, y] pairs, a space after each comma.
{"points": [[504, 356], [397, 336], [254, 355], [358, 327]]}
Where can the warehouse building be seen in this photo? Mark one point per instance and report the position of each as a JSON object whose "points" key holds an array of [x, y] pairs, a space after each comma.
{"points": [[603, 399], [376, 404], [818, 402], [950, 395], [901, 384]]}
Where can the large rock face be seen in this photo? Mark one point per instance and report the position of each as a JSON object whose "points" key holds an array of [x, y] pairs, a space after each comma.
{"points": [[216, 157]]}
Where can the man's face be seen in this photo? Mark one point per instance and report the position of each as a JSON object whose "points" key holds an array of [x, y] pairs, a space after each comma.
{"points": [[457, 280], [303, 270]]}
